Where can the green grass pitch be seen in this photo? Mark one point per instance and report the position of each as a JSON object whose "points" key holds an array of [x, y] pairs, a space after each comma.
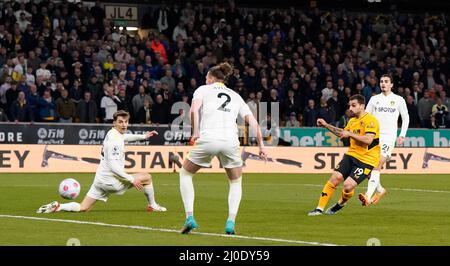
{"points": [[415, 212]]}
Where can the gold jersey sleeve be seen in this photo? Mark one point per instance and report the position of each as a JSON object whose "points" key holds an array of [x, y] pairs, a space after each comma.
{"points": [[367, 124]]}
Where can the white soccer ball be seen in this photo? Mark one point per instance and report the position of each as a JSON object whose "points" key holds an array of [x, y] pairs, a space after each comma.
{"points": [[69, 188]]}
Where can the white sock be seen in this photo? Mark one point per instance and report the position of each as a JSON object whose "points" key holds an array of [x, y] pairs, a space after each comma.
{"points": [[374, 181], [234, 198], [69, 207], [187, 191], [150, 194], [380, 188]]}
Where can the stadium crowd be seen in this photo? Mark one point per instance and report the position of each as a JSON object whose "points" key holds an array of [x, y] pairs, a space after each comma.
{"points": [[66, 62]]}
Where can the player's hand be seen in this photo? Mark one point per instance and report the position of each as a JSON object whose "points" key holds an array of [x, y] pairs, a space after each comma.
{"points": [[400, 140], [192, 140], [137, 184], [344, 134], [321, 122], [263, 154], [151, 134]]}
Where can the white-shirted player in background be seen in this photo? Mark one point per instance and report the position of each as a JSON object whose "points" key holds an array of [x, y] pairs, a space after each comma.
{"points": [[111, 176], [213, 114], [386, 107]]}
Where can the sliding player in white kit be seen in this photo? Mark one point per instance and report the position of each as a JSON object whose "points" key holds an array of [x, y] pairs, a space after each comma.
{"points": [[111, 176], [386, 107], [218, 107]]}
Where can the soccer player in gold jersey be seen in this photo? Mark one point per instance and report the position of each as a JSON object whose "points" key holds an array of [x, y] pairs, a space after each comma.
{"points": [[362, 156]]}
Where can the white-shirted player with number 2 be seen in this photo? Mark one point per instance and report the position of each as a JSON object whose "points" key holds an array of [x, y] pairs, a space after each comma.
{"points": [[386, 107], [213, 113], [111, 177]]}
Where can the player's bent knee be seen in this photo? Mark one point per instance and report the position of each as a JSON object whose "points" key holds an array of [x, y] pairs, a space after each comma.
{"points": [[349, 185], [336, 178]]}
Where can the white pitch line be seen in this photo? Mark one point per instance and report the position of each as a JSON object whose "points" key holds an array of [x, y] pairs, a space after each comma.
{"points": [[168, 230], [398, 189], [279, 184]]}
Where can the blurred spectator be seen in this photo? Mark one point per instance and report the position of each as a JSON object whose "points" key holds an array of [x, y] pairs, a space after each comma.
{"points": [[33, 102], [335, 103], [413, 112], [241, 89], [76, 92], [47, 107], [20, 110], [291, 105], [144, 113], [167, 78], [30, 78], [292, 122], [253, 103], [65, 108], [11, 95], [86, 109], [108, 105], [371, 89], [160, 110], [343, 120], [124, 102], [93, 86], [327, 92], [440, 112], [3, 89], [310, 114], [424, 107], [326, 112], [138, 100]]}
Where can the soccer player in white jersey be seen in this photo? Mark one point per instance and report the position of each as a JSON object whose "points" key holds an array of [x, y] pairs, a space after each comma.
{"points": [[111, 176], [386, 107], [213, 114]]}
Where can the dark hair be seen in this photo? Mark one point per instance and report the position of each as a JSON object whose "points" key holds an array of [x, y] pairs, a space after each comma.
{"points": [[387, 76], [359, 98], [222, 71], [121, 113]]}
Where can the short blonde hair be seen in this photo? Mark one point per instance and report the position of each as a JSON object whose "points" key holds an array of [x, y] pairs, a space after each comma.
{"points": [[121, 113]]}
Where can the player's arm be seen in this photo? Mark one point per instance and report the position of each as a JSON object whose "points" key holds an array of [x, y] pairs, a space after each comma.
{"points": [[335, 130], [253, 124], [405, 122], [137, 137], [366, 139], [194, 114]]}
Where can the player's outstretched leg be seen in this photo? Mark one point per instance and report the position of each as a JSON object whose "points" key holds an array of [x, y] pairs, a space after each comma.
{"points": [[327, 193], [86, 205], [49, 208]]}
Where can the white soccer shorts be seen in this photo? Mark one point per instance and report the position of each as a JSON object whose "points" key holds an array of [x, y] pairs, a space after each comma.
{"points": [[101, 191], [387, 145], [204, 151]]}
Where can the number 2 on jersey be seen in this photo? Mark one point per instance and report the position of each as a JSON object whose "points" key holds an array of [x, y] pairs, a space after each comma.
{"points": [[224, 104]]}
